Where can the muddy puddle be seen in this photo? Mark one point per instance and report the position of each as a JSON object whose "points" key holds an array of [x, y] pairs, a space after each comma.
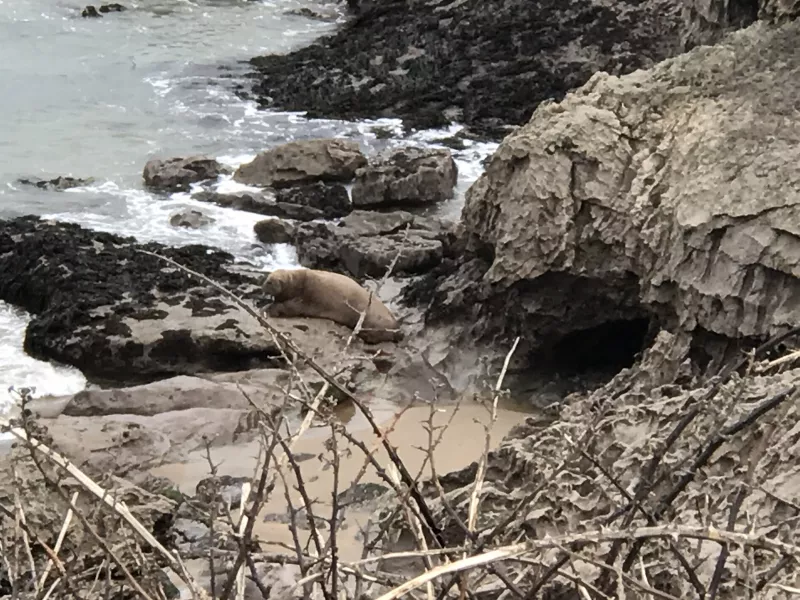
{"points": [[462, 442]]}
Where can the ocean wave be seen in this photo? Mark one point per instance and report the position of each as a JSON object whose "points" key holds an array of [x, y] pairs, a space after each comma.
{"points": [[19, 370]]}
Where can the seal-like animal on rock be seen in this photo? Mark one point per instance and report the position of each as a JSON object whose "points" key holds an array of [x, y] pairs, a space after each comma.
{"points": [[325, 295]]}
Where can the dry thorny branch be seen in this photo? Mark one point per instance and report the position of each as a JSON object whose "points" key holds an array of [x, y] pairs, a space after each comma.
{"points": [[662, 492]]}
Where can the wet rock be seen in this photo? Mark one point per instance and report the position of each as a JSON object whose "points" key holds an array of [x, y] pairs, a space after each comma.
{"points": [[646, 196], [176, 393], [332, 200], [99, 304], [177, 174], [274, 231], [406, 177], [57, 184], [480, 63], [308, 161], [364, 244], [90, 12], [113, 7], [191, 219], [249, 201], [262, 203], [314, 14], [361, 494]]}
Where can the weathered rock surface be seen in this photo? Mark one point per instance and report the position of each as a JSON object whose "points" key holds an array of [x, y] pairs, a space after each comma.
{"points": [[671, 194], [706, 21], [406, 177], [125, 443], [177, 174], [174, 394], [57, 184], [331, 199], [486, 64], [364, 244], [274, 231], [99, 304], [576, 470], [191, 219], [302, 162]]}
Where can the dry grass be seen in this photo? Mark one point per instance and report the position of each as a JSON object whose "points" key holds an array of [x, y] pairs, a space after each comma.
{"points": [[635, 491]]}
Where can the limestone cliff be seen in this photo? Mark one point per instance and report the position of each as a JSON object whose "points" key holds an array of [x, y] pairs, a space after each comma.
{"points": [[672, 192]]}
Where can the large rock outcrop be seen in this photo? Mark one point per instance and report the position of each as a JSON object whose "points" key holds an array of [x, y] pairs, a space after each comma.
{"points": [[486, 64], [124, 317], [671, 193], [99, 304]]}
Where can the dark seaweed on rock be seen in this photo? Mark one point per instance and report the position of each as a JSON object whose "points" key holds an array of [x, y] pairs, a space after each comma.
{"points": [[79, 285], [483, 63]]}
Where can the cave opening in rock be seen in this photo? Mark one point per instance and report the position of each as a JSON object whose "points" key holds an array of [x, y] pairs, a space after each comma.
{"points": [[579, 361], [603, 349]]}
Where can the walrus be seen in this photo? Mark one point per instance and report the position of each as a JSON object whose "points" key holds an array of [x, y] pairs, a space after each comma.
{"points": [[327, 295]]}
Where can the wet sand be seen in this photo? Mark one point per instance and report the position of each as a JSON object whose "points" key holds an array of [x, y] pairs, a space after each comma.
{"points": [[461, 443]]}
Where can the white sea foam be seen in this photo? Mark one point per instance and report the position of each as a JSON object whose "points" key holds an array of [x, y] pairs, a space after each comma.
{"points": [[19, 370], [148, 216]]}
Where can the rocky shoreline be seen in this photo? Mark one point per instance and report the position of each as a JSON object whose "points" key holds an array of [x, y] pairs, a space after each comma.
{"points": [[626, 269]]}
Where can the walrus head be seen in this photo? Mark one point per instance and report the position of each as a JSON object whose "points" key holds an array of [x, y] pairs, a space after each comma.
{"points": [[279, 284], [272, 285]]}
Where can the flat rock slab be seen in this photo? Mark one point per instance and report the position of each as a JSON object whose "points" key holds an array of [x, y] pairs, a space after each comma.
{"points": [[125, 443], [99, 304]]}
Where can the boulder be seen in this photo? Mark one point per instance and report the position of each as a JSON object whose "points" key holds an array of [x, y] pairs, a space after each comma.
{"points": [[113, 7], [90, 12], [331, 199], [191, 219], [406, 177], [57, 184], [301, 162], [177, 174], [274, 231], [671, 194], [364, 244]]}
